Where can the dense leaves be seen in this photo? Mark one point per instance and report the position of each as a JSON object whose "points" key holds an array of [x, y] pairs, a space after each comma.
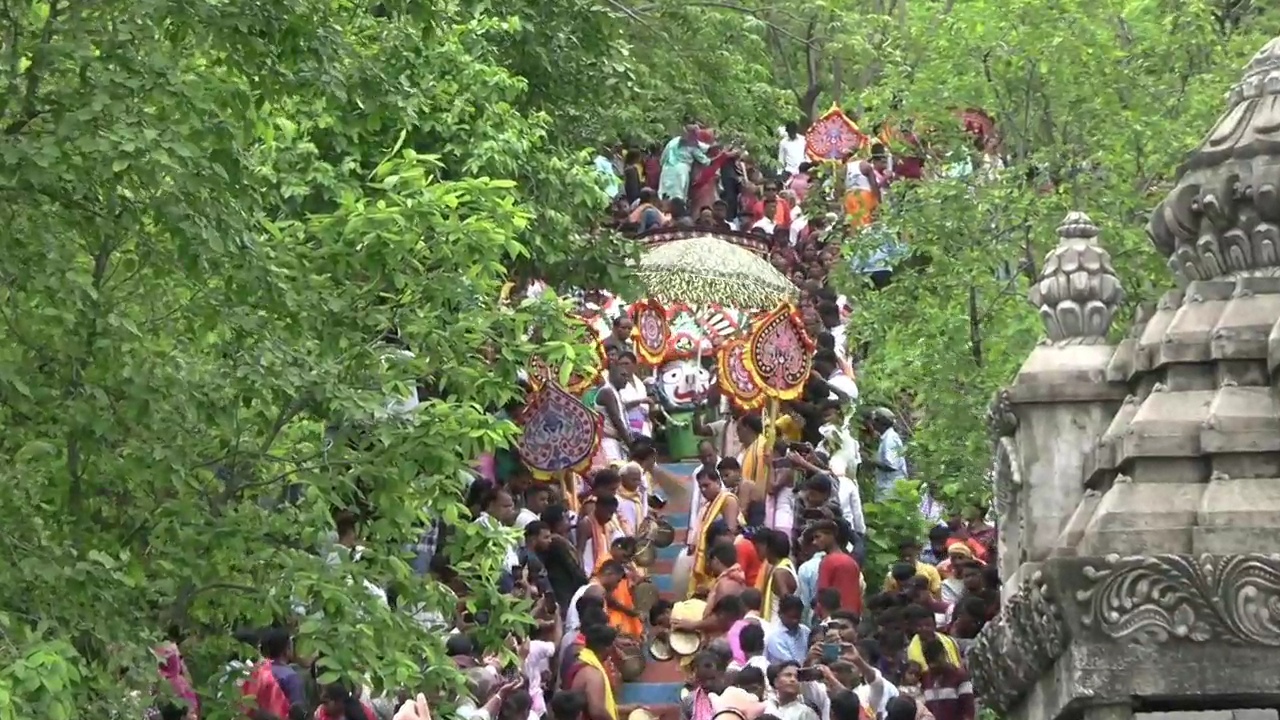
{"points": [[1095, 106], [213, 213]]}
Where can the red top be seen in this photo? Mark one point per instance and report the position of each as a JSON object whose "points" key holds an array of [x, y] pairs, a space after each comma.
{"points": [[840, 571], [748, 559]]}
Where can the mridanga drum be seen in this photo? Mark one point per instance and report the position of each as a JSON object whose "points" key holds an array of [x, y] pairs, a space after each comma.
{"points": [[631, 659], [645, 555], [660, 649]]}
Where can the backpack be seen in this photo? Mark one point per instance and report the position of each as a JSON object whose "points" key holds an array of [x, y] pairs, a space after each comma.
{"points": [[263, 687]]}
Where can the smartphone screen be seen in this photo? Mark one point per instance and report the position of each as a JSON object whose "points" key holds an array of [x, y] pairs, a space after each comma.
{"points": [[830, 652]]}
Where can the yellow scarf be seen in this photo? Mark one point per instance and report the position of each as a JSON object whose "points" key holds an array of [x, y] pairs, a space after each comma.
{"points": [[766, 605], [588, 658], [710, 512]]}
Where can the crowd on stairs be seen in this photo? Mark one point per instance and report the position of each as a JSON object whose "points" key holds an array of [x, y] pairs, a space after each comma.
{"points": [[732, 585]]}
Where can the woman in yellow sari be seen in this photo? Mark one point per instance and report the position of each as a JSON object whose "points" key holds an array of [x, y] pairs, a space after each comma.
{"points": [[719, 515]]}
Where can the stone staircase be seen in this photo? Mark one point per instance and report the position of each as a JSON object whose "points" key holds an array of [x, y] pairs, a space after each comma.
{"points": [[658, 689]]}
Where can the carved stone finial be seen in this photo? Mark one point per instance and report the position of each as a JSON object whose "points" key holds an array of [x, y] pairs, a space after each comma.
{"points": [[1220, 219], [1078, 291]]}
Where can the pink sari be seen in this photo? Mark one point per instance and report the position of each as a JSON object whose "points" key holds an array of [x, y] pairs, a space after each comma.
{"points": [[173, 669]]}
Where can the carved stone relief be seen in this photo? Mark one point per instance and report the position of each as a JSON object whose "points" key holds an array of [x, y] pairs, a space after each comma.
{"points": [[1156, 599], [1018, 647]]}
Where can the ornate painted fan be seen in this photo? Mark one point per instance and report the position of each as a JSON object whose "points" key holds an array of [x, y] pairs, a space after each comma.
{"points": [[832, 137], [779, 354], [584, 374], [560, 433], [651, 332], [735, 379]]}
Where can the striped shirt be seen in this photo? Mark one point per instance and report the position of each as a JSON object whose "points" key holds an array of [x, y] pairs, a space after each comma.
{"points": [[948, 694]]}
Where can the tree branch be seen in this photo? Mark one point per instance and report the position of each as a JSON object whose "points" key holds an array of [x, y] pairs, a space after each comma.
{"points": [[34, 72]]}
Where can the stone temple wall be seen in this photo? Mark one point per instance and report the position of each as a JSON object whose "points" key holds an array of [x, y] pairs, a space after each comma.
{"points": [[1138, 478]]}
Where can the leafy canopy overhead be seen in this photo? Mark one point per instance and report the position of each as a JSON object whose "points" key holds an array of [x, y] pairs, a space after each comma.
{"points": [[213, 214]]}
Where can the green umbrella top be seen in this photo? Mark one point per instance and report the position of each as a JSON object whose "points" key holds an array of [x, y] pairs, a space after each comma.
{"points": [[706, 270]]}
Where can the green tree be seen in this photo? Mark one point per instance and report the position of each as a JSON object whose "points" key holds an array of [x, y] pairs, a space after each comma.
{"points": [[1094, 107], [213, 213]]}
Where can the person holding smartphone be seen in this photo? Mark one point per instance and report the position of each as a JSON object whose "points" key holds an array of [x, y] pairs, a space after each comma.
{"points": [[787, 704]]}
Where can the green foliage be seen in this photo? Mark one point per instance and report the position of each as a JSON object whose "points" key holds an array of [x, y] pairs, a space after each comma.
{"points": [[212, 212], [1103, 102], [893, 520]]}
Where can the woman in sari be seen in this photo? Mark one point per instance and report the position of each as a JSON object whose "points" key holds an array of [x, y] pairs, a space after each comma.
{"points": [[677, 164], [705, 188], [719, 514]]}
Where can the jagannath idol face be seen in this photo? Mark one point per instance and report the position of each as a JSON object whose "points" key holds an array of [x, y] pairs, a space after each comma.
{"points": [[682, 383]]}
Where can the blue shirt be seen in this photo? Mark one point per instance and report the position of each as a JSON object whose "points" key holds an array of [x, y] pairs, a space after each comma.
{"points": [[608, 176], [890, 453], [807, 582], [290, 682], [783, 644]]}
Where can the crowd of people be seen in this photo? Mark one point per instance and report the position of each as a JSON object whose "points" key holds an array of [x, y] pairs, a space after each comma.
{"points": [[773, 617]]}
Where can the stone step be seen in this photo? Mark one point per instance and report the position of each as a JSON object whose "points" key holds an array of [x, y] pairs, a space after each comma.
{"points": [[658, 688]]}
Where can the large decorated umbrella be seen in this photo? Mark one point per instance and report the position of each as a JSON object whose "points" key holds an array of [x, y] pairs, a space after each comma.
{"points": [[705, 270]]}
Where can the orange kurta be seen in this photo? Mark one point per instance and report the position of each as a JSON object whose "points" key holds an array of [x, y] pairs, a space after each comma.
{"points": [[619, 620]]}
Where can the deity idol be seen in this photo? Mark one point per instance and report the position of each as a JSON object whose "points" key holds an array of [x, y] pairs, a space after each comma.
{"points": [[682, 384]]}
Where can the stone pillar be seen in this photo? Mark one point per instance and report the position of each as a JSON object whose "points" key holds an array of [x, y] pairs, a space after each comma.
{"points": [[1062, 398]]}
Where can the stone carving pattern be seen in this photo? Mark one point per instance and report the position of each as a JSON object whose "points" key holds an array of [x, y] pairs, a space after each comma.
{"points": [[1006, 476], [1157, 599], [1016, 649], [1222, 219], [1078, 292]]}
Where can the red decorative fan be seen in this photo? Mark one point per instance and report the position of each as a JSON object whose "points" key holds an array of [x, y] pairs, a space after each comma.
{"points": [[779, 354], [833, 137], [651, 332], [735, 379]]}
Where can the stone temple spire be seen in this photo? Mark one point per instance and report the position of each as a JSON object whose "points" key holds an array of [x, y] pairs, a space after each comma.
{"points": [[1222, 218], [1078, 291]]}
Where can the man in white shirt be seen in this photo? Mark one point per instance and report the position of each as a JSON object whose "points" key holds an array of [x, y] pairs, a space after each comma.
{"points": [[827, 365], [791, 149]]}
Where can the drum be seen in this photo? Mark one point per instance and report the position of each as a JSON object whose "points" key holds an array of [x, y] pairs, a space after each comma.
{"points": [[641, 714], [681, 575], [644, 595], [683, 642], [661, 533], [631, 659], [660, 649], [646, 555]]}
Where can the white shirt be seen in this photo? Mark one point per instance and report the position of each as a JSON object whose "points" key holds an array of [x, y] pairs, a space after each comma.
{"points": [[524, 517], [765, 224], [512, 559], [844, 384], [850, 498], [875, 696], [841, 333], [791, 154], [794, 710]]}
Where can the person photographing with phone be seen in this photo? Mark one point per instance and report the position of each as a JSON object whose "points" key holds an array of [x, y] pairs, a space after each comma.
{"points": [[787, 703]]}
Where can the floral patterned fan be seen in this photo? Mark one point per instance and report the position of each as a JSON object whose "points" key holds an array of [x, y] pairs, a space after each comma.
{"points": [[735, 379], [779, 354], [559, 432], [833, 137], [651, 331]]}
